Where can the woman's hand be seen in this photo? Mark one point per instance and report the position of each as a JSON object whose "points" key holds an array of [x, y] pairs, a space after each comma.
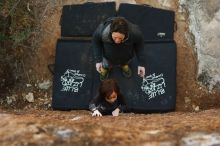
{"points": [[98, 66], [141, 71], [96, 113]]}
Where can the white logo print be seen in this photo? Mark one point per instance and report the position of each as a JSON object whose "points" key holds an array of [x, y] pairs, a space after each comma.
{"points": [[153, 85], [72, 80], [161, 34]]}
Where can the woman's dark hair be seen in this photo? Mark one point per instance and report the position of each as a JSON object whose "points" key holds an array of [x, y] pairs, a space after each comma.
{"points": [[120, 25], [107, 87]]}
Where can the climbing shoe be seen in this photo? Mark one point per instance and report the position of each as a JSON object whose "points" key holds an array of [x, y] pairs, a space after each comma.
{"points": [[104, 74], [126, 71]]}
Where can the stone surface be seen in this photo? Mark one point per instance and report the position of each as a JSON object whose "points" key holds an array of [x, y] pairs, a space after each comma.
{"points": [[204, 22], [201, 139], [51, 128]]}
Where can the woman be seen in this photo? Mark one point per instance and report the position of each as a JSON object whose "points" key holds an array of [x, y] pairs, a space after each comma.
{"points": [[115, 42]]}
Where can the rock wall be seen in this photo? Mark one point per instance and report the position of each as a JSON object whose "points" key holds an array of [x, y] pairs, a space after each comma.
{"points": [[204, 26]]}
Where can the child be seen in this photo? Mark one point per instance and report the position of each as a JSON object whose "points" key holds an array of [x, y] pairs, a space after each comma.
{"points": [[108, 100]]}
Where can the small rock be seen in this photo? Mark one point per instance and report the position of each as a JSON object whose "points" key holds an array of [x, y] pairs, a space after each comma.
{"points": [[45, 85], [29, 97], [197, 108], [76, 118], [49, 105], [28, 85], [64, 133], [182, 18], [153, 132], [187, 99], [11, 99], [46, 102]]}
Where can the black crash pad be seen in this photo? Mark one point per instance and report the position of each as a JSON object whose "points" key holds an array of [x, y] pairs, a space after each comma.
{"points": [[155, 24], [76, 81], [157, 91], [73, 76], [83, 19]]}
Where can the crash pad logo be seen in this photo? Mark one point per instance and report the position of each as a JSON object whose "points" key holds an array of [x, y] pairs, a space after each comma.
{"points": [[153, 85], [72, 80]]}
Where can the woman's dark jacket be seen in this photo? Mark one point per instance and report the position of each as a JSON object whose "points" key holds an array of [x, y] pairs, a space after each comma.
{"points": [[104, 46], [99, 103]]}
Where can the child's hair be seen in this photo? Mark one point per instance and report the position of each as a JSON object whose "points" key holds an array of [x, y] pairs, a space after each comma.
{"points": [[107, 87], [120, 25]]}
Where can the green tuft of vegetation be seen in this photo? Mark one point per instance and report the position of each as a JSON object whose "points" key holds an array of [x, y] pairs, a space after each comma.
{"points": [[3, 37], [20, 37], [16, 23]]}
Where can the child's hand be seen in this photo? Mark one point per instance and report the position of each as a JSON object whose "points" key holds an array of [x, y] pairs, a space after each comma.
{"points": [[115, 112], [96, 113]]}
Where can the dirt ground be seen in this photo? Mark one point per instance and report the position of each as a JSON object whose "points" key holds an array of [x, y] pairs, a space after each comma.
{"points": [[35, 123]]}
